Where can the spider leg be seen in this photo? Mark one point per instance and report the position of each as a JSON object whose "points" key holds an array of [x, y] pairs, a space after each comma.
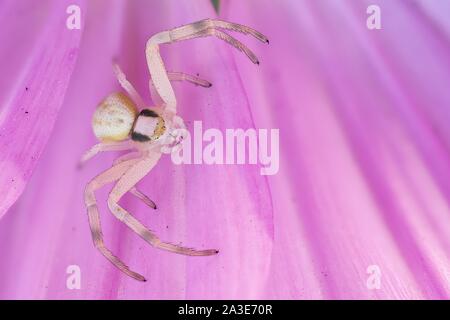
{"points": [[127, 86], [236, 27], [173, 76], [105, 146], [156, 98], [126, 182], [181, 76], [127, 156], [134, 191], [203, 28], [176, 76], [138, 194], [102, 179], [225, 37]]}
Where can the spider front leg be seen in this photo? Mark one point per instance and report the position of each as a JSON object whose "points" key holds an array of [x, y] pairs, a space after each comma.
{"points": [[126, 182], [176, 76], [203, 28], [173, 76], [181, 76]]}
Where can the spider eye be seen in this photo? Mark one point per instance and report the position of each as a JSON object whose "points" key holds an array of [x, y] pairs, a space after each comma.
{"points": [[148, 113]]}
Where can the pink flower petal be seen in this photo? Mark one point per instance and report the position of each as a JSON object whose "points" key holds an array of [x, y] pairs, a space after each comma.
{"points": [[363, 180], [223, 207], [364, 176], [37, 56]]}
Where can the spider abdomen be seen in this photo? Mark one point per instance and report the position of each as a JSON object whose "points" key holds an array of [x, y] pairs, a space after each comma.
{"points": [[114, 117]]}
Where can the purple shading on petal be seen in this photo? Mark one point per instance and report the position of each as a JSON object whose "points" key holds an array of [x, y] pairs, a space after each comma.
{"points": [[364, 176], [223, 207], [37, 55]]}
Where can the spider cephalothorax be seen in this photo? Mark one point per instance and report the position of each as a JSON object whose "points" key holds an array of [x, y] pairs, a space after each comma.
{"points": [[119, 125], [149, 126]]}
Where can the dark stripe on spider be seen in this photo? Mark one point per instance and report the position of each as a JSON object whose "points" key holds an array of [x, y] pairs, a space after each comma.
{"points": [[136, 136], [148, 113]]}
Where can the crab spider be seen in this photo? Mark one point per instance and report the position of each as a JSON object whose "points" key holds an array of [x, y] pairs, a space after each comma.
{"points": [[122, 122]]}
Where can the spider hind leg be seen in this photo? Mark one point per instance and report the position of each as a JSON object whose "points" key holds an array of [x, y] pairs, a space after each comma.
{"points": [[102, 179], [128, 181]]}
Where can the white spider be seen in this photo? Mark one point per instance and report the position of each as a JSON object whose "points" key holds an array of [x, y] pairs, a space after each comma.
{"points": [[119, 125]]}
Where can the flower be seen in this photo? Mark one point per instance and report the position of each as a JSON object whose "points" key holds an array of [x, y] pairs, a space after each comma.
{"points": [[359, 208], [38, 54], [363, 187], [224, 207]]}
